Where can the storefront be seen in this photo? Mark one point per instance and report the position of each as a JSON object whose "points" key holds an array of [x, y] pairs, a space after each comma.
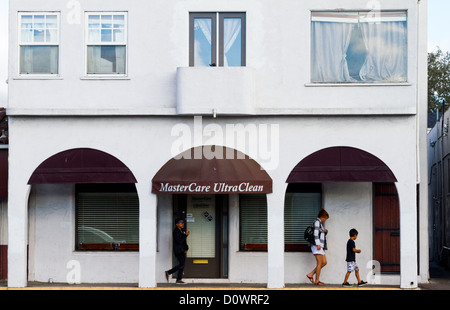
{"points": [[200, 181], [110, 209]]}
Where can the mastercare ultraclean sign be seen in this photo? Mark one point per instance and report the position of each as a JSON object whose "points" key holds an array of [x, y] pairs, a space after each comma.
{"points": [[213, 188]]}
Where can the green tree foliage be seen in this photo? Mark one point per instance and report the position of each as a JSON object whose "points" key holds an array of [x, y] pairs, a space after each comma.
{"points": [[438, 80]]}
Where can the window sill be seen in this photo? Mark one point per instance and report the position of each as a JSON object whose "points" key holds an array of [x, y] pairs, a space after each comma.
{"points": [[105, 77], [105, 253], [37, 77], [356, 84]]}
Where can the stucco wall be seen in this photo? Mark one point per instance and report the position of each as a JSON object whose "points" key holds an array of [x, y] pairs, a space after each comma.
{"points": [[278, 50], [144, 145]]}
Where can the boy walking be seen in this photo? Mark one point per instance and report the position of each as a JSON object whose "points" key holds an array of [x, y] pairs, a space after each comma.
{"points": [[351, 259]]}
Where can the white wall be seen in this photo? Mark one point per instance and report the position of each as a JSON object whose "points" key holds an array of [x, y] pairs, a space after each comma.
{"points": [[144, 144], [52, 243], [380, 119], [278, 49], [349, 206]]}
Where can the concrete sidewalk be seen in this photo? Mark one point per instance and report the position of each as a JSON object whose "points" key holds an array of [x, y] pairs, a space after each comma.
{"points": [[190, 286], [439, 278]]}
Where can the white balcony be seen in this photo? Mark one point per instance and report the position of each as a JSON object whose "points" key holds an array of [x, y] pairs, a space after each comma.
{"points": [[221, 90]]}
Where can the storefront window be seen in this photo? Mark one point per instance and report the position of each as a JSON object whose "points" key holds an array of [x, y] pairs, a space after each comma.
{"points": [[301, 206], [253, 222], [107, 217]]}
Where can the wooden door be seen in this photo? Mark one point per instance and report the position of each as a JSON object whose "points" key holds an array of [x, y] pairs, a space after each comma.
{"points": [[387, 227]]}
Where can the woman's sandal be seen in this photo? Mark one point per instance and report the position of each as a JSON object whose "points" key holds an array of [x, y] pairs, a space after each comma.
{"points": [[319, 283], [310, 279]]}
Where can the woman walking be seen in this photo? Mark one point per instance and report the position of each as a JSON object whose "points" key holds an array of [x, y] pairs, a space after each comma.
{"points": [[319, 247]]}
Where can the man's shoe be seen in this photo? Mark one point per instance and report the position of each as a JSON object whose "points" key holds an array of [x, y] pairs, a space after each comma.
{"points": [[180, 282], [346, 284], [167, 275], [362, 283]]}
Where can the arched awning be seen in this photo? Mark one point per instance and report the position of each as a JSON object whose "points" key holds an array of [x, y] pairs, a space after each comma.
{"points": [[341, 164], [82, 166], [195, 171]]}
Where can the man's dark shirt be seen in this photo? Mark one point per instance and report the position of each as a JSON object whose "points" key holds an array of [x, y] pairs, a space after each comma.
{"points": [[179, 242]]}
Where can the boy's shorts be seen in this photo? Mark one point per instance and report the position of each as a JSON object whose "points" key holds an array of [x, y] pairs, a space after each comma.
{"points": [[351, 266]]}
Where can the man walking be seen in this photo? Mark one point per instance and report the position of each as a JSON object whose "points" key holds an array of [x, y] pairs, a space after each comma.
{"points": [[180, 249]]}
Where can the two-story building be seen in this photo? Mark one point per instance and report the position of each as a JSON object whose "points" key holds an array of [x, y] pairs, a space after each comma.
{"points": [[243, 117]]}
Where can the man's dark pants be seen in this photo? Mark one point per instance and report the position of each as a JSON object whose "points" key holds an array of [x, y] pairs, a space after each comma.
{"points": [[180, 267]]}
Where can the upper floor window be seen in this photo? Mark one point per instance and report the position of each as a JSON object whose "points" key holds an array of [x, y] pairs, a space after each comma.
{"points": [[106, 43], [217, 39], [359, 47], [39, 43]]}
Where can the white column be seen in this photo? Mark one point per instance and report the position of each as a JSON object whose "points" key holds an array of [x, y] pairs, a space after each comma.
{"points": [[422, 100], [275, 226], [147, 236], [17, 232], [408, 234]]}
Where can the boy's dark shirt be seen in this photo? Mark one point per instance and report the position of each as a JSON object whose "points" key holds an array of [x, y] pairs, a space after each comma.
{"points": [[350, 254]]}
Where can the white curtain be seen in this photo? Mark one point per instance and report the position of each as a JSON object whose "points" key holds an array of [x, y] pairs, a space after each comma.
{"points": [[386, 44], [329, 50], [232, 28], [204, 24], [94, 59], [205, 27], [39, 59], [106, 59]]}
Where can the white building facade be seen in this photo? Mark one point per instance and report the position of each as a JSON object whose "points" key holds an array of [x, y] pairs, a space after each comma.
{"points": [[326, 101]]}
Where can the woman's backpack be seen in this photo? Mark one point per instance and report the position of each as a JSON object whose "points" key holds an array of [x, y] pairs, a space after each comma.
{"points": [[309, 234]]}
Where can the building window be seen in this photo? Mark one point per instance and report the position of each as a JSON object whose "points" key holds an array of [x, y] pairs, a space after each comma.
{"points": [[106, 39], [253, 222], [39, 43], [217, 39], [359, 47], [107, 217], [301, 206]]}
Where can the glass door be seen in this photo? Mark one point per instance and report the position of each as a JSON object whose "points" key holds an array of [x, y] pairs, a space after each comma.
{"points": [[207, 221]]}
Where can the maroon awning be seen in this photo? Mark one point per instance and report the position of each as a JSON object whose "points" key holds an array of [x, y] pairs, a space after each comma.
{"points": [[195, 173], [4, 173], [82, 166], [341, 164]]}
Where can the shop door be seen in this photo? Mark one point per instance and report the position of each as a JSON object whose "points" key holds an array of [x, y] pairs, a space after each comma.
{"points": [[206, 219], [387, 227]]}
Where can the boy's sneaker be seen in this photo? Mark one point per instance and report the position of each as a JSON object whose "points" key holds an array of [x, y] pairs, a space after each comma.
{"points": [[346, 284], [180, 282], [167, 275], [362, 283]]}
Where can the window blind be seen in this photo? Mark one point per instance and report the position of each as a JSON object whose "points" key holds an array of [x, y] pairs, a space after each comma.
{"points": [[253, 222], [202, 240], [300, 210], [107, 221]]}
